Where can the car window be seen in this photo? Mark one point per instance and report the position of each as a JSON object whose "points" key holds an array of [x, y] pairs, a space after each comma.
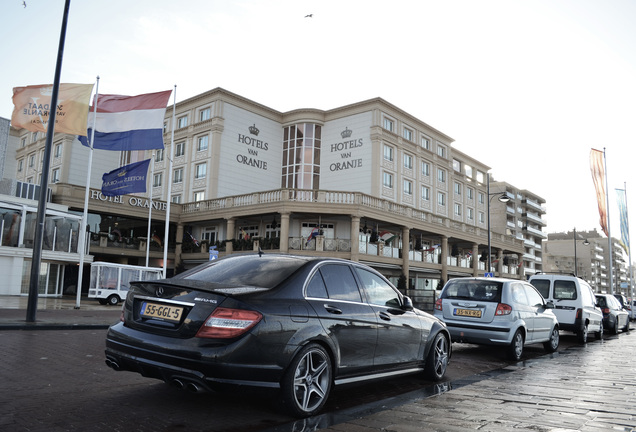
{"points": [[543, 285], [518, 293], [316, 287], [340, 282], [600, 301], [564, 290], [613, 302], [472, 290], [534, 298], [377, 290], [587, 296]]}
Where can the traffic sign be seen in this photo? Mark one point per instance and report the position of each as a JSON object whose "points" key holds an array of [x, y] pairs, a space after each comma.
{"points": [[489, 274]]}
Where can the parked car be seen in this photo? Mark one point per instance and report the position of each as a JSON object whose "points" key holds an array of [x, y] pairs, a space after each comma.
{"points": [[632, 312], [574, 303], [497, 311], [296, 323], [623, 301], [614, 316]]}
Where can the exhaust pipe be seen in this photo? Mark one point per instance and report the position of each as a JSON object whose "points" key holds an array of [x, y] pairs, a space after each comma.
{"points": [[112, 364], [177, 383], [193, 387]]}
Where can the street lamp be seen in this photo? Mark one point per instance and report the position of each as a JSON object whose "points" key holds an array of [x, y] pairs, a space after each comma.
{"points": [[585, 242], [504, 198]]}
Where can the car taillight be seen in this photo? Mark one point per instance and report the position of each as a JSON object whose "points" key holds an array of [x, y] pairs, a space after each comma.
{"points": [[438, 304], [579, 313], [503, 309], [228, 323]]}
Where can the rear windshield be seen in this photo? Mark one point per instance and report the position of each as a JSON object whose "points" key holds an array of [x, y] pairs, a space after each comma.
{"points": [[543, 286], [564, 290], [473, 290], [249, 270]]}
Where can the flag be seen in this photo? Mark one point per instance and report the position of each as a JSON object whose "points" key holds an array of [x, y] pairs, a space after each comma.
{"points": [[431, 249], [387, 236], [598, 176], [622, 208], [194, 240], [32, 105], [155, 238], [312, 235], [125, 123], [127, 179], [245, 235]]}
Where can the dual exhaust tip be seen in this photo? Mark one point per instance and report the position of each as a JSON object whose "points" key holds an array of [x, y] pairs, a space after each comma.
{"points": [[175, 382]]}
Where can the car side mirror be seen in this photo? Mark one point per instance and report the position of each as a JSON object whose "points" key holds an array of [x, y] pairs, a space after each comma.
{"points": [[549, 305], [408, 303]]}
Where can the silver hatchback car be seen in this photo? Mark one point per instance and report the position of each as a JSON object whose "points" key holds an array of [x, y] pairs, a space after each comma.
{"points": [[497, 311]]}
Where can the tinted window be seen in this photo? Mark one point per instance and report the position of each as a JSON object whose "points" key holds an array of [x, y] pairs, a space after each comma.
{"points": [[534, 298], [564, 290], [543, 285], [340, 283], [250, 270], [472, 290], [377, 290], [316, 287]]}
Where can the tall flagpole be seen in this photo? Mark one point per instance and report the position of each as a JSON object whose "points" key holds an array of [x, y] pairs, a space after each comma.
{"points": [[609, 230], [82, 236], [629, 251], [169, 197], [152, 179], [36, 260]]}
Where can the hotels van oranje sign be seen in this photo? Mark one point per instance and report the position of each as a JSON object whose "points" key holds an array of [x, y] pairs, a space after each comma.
{"points": [[132, 201]]}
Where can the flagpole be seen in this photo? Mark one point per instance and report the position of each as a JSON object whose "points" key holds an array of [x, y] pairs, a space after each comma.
{"points": [[629, 250], [36, 260], [152, 179], [609, 230], [169, 197], [82, 236]]}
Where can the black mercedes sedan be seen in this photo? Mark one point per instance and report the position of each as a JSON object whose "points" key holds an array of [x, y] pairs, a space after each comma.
{"points": [[299, 324]]}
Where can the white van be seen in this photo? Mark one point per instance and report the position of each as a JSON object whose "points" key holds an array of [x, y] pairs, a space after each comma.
{"points": [[110, 282], [574, 303]]}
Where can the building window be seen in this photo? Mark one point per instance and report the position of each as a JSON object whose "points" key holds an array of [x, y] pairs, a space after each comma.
{"points": [[158, 155], [178, 175], [457, 188], [407, 134], [387, 180], [426, 143], [480, 177], [408, 161], [55, 175], [176, 199], [470, 214], [179, 149], [482, 218], [458, 209], [408, 187], [31, 161], [23, 143], [441, 199], [201, 170], [182, 122], [441, 150], [34, 137], [58, 151], [426, 169], [20, 163], [426, 193], [209, 234], [199, 196], [481, 198], [202, 143], [470, 193], [441, 175], [388, 153], [388, 124], [457, 165], [468, 171], [302, 146], [204, 114], [156, 180]]}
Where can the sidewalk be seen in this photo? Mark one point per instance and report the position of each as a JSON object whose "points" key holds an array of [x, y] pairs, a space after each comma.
{"points": [[56, 314]]}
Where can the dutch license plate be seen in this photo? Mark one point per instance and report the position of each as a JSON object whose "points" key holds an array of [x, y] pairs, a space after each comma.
{"points": [[168, 313], [467, 313]]}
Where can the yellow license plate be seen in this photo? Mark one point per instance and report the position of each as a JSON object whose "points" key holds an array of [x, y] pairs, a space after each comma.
{"points": [[468, 313], [163, 312]]}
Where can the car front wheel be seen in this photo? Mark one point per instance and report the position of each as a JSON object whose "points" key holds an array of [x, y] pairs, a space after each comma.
{"points": [[515, 350], [437, 359], [553, 343], [306, 385], [599, 334]]}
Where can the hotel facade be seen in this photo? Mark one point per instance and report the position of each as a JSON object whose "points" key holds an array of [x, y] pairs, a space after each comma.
{"points": [[367, 182]]}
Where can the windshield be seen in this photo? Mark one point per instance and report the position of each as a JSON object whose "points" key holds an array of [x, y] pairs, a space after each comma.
{"points": [[472, 290], [247, 270]]}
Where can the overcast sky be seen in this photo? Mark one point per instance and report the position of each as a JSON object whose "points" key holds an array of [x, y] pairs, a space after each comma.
{"points": [[527, 87]]}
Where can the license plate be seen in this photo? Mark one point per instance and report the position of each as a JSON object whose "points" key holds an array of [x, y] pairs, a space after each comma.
{"points": [[163, 312], [467, 313]]}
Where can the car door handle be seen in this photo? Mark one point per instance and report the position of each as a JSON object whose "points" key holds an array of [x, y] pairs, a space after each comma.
{"points": [[333, 309], [385, 316]]}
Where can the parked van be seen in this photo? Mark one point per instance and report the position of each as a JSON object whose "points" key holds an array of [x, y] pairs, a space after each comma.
{"points": [[574, 303], [110, 282]]}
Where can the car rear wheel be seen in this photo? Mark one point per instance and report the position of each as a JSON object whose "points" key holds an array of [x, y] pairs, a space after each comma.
{"points": [[553, 343], [515, 350], [599, 333], [113, 300], [306, 385], [583, 334], [615, 327], [437, 359]]}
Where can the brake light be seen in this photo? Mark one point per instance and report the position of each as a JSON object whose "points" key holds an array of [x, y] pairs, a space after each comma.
{"points": [[503, 309], [228, 323], [579, 313], [438, 304]]}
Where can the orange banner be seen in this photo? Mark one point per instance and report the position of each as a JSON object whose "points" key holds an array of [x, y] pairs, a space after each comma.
{"points": [[598, 176], [32, 106]]}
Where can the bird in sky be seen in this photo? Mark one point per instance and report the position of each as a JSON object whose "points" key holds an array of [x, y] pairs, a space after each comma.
{"points": [[309, 16], [24, 3]]}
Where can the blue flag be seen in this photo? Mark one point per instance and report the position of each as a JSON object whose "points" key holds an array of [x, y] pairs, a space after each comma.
{"points": [[127, 179]]}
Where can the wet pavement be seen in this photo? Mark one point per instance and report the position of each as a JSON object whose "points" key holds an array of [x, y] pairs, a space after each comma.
{"points": [[582, 388]]}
